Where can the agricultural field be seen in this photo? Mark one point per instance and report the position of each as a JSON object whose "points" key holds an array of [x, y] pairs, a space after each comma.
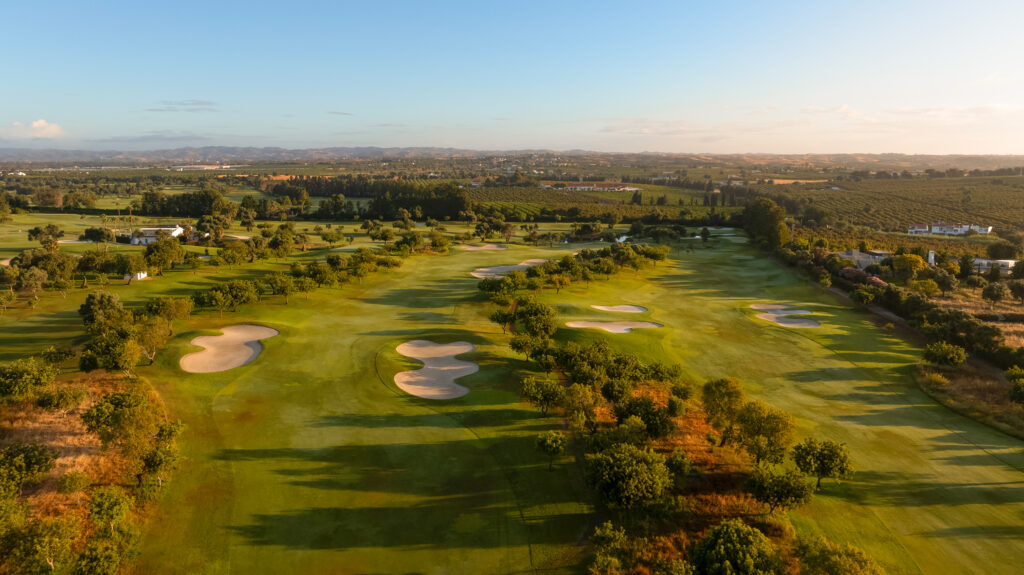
{"points": [[894, 204]]}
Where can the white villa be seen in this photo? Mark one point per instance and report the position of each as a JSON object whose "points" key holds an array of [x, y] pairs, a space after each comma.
{"points": [[146, 236], [945, 229]]}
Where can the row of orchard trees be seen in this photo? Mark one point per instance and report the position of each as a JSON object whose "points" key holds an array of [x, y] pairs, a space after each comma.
{"points": [[629, 462]]}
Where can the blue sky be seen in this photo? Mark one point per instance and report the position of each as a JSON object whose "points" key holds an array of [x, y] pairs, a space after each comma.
{"points": [[717, 77]]}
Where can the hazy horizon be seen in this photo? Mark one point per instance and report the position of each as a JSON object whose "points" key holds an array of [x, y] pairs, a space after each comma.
{"points": [[606, 77]]}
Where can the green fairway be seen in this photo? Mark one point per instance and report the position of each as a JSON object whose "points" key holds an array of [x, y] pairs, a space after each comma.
{"points": [[311, 459], [934, 492]]}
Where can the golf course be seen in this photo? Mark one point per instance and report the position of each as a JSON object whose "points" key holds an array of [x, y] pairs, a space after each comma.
{"points": [[378, 427]]}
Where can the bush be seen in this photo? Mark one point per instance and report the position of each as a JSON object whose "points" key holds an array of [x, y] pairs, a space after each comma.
{"points": [[943, 353], [734, 547]]}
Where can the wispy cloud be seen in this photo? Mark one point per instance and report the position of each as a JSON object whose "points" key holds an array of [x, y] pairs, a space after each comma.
{"points": [[185, 106], [39, 129], [334, 113]]}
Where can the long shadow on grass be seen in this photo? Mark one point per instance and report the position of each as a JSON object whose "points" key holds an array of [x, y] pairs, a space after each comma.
{"points": [[454, 419], [433, 294], [458, 523], [440, 469], [913, 490]]}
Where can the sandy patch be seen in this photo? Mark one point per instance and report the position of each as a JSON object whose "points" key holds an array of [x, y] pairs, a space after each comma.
{"points": [[240, 237], [778, 314], [620, 308], [784, 182], [73, 242], [614, 326], [239, 345], [5, 262], [499, 271], [436, 379], [483, 247]]}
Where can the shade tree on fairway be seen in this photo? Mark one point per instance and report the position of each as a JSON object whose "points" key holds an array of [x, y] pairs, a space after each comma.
{"points": [[783, 491], [819, 556], [552, 444], [108, 507], [822, 459], [543, 393]]}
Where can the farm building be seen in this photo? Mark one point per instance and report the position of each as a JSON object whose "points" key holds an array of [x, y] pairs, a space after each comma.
{"points": [[146, 236]]}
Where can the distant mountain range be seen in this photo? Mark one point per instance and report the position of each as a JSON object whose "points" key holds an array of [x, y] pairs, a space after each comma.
{"points": [[240, 155]]}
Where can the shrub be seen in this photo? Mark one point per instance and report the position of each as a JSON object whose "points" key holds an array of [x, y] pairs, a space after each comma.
{"points": [[943, 353], [734, 547]]}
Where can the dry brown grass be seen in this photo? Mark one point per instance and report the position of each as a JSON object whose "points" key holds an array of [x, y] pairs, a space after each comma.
{"points": [[977, 391], [970, 301], [79, 449]]}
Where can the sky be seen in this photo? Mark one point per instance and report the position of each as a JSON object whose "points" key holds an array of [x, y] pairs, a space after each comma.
{"points": [[908, 76]]}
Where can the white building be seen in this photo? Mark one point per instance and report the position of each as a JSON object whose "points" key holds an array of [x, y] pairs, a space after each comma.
{"points": [[918, 229], [146, 236], [945, 229], [982, 265]]}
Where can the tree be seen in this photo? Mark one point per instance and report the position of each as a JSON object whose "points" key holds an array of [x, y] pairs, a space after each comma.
{"points": [[129, 265], [32, 280], [125, 417], [99, 307], [160, 460], [926, 287], [109, 506], [559, 281], [281, 284], [543, 393], [994, 293], [657, 422], [1002, 250], [626, 475], [101, 557], [943, 353], [907, 266], [734, 548], [780, 491], [322, 273], [765, 432], [23, 376], [27, 463], [6, 299], [98, 235], [723, 399], [822, 459], [304, 286], [552, 444], [213, 225], [151, 335], [46, 545], [112, 352], [1017, 290], [62, 399], [162, 253], [46, 235], [946, 281], [822, 557], [74, 483]]}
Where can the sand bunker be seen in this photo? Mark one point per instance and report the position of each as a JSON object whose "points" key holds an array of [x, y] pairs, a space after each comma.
{"points": [[239, 345], [436, 379], [499, 271], [614, 326], [483, 248], [5, 262], [777, 314], [620, 308]]}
